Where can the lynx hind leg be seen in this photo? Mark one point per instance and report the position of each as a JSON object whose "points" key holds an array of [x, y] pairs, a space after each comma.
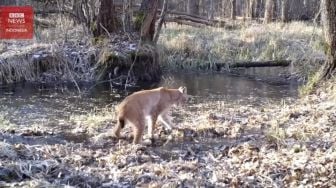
{"points": [[138, 129]]}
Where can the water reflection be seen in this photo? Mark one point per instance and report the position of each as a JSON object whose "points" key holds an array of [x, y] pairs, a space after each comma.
{"points": [[39, 104], [230, 87]]}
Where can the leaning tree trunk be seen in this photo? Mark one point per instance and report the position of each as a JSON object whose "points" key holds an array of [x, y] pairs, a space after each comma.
{"points": [[329, 23], [233, 9], [149, 9], [284, 10], [106, 20], [269, 11]]}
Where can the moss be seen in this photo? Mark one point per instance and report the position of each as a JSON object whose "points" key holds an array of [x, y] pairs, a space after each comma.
{"points": [[98, 40], [138, 20]]}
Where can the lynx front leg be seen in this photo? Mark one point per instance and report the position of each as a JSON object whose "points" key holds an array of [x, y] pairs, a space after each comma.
{"points": [[166, 120], [117, 129]]}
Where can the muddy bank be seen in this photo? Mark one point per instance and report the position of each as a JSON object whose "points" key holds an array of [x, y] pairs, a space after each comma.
{"points": [[116, 59]]}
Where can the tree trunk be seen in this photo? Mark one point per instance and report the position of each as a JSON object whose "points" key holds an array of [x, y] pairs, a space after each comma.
{"points": [[269, 11], [149, 8], [233, 9], [253, 8], [106, 21], [258, 8], [193, 7], [248, 8], [329, 23], [284, 11], [127, 15], [212, 10], [77, 9], [296, 10]]}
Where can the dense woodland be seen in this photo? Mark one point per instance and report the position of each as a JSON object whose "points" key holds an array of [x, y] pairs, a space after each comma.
{"points": [[123, 15]]}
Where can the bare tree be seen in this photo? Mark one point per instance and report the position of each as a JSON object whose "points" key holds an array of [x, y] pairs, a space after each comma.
{"points": [[233, 9], [127, 15], [269, 11], [296, 9], [212, 10], [248, 8], [193, 7], [106, 20], [149, 8], [284, 11], [329, 23]]}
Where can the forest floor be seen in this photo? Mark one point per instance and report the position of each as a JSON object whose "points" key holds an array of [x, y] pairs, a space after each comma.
{"points": [[218, 143]]}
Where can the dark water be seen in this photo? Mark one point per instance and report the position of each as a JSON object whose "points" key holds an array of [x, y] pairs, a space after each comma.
{"points": [[231, 87], [27, 104]]}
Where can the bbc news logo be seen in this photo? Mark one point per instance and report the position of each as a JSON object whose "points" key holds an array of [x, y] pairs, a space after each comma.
{"points": [[16, 22]]}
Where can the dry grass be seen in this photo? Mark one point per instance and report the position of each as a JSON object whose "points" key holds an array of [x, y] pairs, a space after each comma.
{"points": [[296, 41], [61, 52]]}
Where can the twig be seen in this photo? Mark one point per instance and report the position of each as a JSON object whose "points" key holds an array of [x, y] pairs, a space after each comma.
{"points": [[108, 33], [72, 78], [104, 81]]}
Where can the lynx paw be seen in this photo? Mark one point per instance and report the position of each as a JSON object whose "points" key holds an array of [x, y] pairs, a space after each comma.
{"points": [[148, 141], [167, 131]]}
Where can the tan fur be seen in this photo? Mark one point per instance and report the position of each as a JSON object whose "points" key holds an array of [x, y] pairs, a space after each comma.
{"points": [[148, 104]]}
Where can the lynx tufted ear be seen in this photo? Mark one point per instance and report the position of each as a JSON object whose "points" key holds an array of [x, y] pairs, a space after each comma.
{"points": [[183, 89]]}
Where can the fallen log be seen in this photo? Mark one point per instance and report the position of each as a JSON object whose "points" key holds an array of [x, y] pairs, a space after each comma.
{"points": [[184, 22], [196, 20], [182, 17], [273, 63], [178, 13]]}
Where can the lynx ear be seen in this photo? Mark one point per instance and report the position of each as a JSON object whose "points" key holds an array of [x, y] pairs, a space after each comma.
{"points": [[182, 89]]}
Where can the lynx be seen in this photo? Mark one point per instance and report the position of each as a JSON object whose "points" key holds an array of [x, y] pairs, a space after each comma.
{"points": [[150, 105]]}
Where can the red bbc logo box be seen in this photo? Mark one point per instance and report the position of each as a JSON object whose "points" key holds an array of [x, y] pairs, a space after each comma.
{"points": [[16, 22]]}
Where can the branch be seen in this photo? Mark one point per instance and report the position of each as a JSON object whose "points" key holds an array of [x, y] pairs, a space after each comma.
{"points": [[57, 12]]}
